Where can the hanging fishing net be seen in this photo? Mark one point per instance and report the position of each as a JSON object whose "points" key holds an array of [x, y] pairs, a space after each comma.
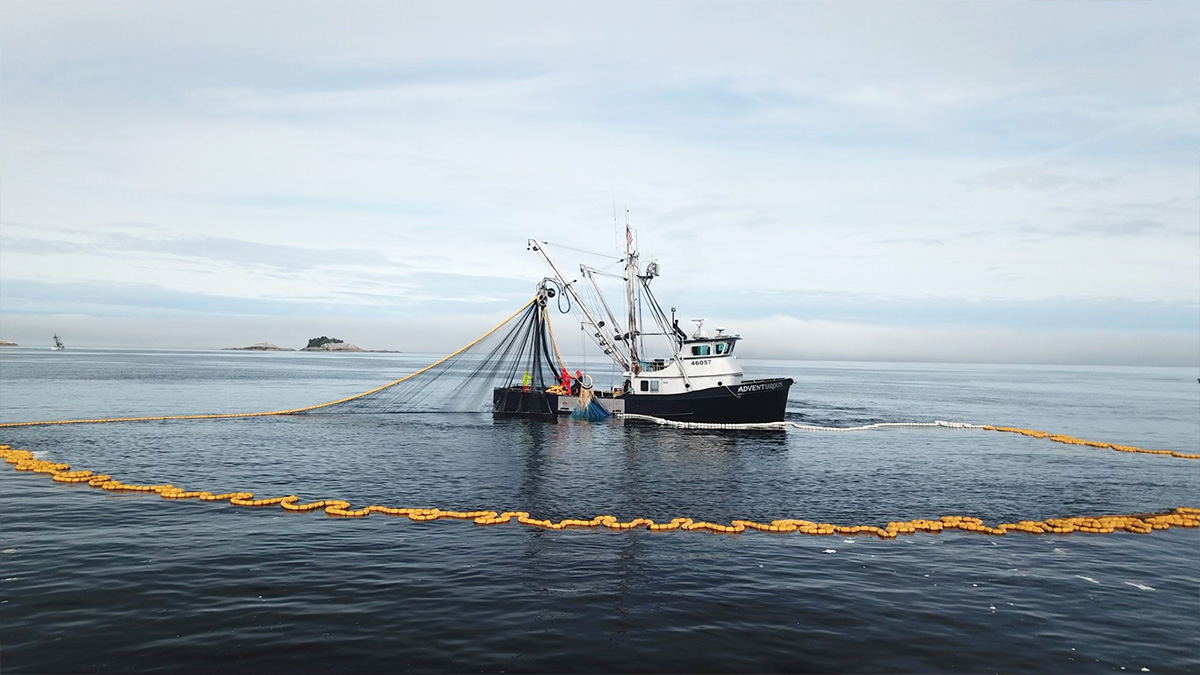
{"points": [[518, 355]]}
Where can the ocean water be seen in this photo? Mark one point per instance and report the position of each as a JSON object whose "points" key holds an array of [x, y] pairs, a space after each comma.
{"points": [[104, 582]]}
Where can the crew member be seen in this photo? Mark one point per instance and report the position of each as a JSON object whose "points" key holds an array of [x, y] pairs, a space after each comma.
{"points": [[525, 380]]}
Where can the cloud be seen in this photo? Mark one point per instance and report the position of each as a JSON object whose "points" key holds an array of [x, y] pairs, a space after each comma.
{"points": [[358, 294], [1032, 177], [394, 157], [1058, 313], [775, 337], [436, 336], [1126, 228], [211, 249], [791, 338]]}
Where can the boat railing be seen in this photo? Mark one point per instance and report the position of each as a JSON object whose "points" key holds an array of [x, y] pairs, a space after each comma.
{"points": [[653, 366]]}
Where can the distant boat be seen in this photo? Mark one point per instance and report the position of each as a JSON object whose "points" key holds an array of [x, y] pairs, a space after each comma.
{"points": [[58, 345]]}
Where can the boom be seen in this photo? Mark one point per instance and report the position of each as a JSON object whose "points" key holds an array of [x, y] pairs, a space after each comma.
{"points": [[600, 336]]}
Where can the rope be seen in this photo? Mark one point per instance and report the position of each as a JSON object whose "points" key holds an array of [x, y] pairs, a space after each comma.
{"points": [[1057, 438], [554, 343], [291, 411], [1144, 523]]}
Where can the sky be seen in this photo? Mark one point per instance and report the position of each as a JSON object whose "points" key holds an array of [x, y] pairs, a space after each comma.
{"points": [[983, 181]]}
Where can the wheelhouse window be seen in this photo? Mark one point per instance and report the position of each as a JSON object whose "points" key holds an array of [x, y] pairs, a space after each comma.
{"points": [[700, 350]]}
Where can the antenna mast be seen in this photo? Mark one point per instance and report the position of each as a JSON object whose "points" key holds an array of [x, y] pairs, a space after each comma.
{"points": [[631, 276]]}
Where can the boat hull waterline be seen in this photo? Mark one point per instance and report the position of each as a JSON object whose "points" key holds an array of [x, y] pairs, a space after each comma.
{"points": [[750, 402]]}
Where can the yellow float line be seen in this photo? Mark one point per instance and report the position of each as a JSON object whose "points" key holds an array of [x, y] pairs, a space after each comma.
{"points": [[1071, 440], [23, 460], [292, 411]]}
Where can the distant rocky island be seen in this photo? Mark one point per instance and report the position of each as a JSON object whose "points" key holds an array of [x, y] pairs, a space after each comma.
{"points": [[6, 343], [262, 347], [317, 344]]}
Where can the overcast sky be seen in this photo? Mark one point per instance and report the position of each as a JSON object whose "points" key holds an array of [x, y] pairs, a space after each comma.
{"points": [[985, 181]]}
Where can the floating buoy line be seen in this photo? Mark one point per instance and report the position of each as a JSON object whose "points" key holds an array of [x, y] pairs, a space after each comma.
{"points": [[384, 400], [1142, 523], [1057, 438]]}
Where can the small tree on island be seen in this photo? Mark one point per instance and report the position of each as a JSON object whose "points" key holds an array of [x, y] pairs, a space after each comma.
{"points": [[317, 343]]}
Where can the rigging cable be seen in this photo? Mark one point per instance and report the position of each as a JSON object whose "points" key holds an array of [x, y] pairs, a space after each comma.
{"points": [[555, 344]]}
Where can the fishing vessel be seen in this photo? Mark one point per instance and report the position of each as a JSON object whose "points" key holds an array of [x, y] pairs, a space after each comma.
{"points": [[667, 372], [58, 345]]}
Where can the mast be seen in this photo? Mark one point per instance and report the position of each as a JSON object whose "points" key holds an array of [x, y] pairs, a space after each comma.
{"points": [[631, 274]]}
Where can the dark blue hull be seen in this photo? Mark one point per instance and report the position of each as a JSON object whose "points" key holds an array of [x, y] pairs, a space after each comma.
{"points": [[752, 402]]}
